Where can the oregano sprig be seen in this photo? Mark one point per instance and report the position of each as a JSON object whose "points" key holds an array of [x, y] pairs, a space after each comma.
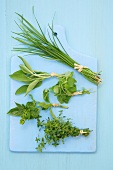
{"points": [[64, 89]]}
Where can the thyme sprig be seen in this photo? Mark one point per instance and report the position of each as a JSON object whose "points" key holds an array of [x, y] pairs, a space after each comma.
{"points": [[56, 130], [35, 42]]}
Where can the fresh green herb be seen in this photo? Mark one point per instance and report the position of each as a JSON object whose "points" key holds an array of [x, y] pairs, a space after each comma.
{"points": [[66, 88], [35, 42], [56, 130], [46, 95], [32, 78], [26, 112], [31, 110]]}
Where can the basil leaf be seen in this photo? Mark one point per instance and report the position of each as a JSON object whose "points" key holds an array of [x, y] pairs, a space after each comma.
{"points": [[15, 112], [20, 76]]}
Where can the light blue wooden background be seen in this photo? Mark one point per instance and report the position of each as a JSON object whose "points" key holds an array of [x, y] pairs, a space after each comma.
{"points": [[89, 28]]}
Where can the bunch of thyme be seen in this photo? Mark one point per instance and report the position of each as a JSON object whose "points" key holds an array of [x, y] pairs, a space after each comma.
{"points": [[35, 42], [56, 130]]}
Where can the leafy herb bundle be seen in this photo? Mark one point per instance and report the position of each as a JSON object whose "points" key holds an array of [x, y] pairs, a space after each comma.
{"points": [[56, 130], [66, 88], [31, 110], [30, 77], [35, 42], [27, 111]]}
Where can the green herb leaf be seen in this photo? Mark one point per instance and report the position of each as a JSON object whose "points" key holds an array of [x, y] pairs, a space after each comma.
{"points": [[14, 112], [32, 86], [20, 76], [26, 112], [46, 95], [26, 63], [56, 89], [21, 90], [25, 69], [52, 114], [71, 81]]}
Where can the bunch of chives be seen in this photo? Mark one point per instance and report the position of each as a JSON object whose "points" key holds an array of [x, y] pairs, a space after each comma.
{"points": [[36, 43]]}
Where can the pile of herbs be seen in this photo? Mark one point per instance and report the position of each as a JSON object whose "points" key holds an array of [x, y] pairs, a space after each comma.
{"points": [[55, 129]]}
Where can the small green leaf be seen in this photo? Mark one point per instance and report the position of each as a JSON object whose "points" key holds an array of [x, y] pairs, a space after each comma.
{"points": [[32, 86], [85, 91], [59, 97], [14, 112], [25, 69], [26, 63], [46, 95], [38, 84], [56, 89], [20, 76], [71, 81], [68, 74], [21, 90], [52, 114], [72, 89]]}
